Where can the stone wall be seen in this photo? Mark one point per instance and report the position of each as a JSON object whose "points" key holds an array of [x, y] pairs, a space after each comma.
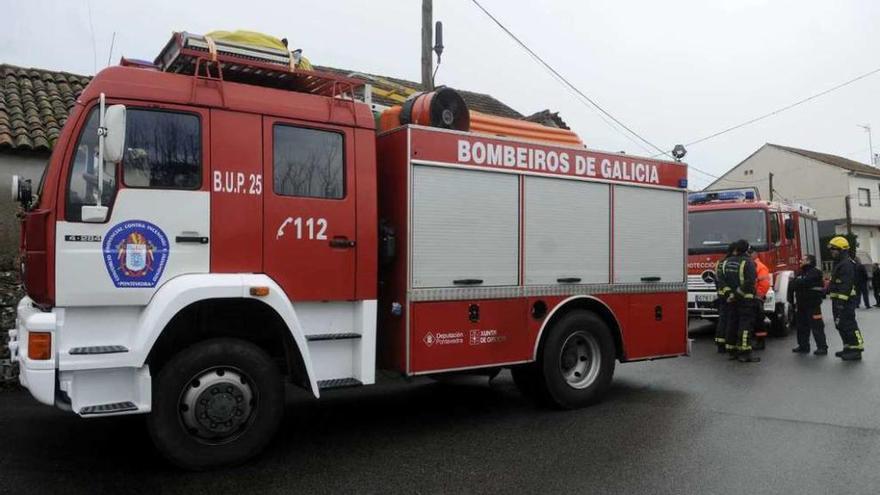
{"points": [[10, 293]]}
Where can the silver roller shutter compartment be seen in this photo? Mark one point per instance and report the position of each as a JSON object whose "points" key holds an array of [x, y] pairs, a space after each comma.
{"points": [[465, 226], [566, 231], [648, 235]]}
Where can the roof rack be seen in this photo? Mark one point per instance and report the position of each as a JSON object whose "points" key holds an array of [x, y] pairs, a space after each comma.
{"points": [[194, 54]]}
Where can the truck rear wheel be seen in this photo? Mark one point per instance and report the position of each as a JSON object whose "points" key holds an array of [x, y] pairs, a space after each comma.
{"points": [[576, 361], [780, 321], [215, 404]]}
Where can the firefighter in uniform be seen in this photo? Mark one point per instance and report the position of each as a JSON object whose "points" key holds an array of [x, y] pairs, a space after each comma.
{"points": [[808, 288], [739, 274], [762, 287], [723, 292], [842, 291]]}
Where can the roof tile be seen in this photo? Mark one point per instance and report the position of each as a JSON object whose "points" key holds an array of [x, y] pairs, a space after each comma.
{"points": [[34, 104]]}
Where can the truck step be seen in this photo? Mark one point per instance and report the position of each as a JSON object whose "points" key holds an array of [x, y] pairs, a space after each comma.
{"points": [[112, 408], [99, 349], [339, 383], [332, 336]]}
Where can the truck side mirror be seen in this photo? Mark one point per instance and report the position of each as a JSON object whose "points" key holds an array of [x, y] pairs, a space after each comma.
{"points": [[114, 133], [21, 191], [94, 213]]}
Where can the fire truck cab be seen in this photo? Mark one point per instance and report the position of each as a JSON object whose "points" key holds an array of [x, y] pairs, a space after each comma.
{"points": [[203, 235], [781, 233]]}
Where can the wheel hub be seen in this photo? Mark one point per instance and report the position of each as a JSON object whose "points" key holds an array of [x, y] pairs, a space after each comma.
{"points": [[579, 359], [217, 404]]}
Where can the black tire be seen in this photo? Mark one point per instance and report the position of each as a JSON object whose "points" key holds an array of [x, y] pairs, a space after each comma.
{"points": [[224, 365], [525, 377], [585, 331], [780, 321]]}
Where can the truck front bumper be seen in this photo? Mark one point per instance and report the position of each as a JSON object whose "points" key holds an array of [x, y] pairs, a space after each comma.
{"points": [[38, 376]]}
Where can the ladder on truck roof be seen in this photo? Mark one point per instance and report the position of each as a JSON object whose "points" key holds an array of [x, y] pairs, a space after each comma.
{"points": [[197, 55]]}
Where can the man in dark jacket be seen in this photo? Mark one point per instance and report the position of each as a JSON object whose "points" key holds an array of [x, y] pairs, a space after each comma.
{"points": [[875, 280], [862, 284], [809, 290], [738, 273], [723, 293], [842, 291]]}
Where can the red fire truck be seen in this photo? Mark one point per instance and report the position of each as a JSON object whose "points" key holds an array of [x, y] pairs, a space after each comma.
{"points": [[229, 222], [781, 233]]}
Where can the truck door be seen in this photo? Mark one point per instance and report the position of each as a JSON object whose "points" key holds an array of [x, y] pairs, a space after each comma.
{"points": [[309, 229], [157, 225]]}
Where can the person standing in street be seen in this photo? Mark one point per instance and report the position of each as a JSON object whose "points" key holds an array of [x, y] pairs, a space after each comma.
{"points": [[762, 287], [875, 281], [862, 284], [739, 274], [842, 291], [809, 290], [723, 293]]}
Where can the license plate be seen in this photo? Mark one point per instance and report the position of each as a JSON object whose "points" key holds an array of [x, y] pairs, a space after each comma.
{"points": [[705, 298]]}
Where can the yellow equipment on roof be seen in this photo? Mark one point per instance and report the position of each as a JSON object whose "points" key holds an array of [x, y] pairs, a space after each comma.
{"points": [[248, 38], [259, 40]]}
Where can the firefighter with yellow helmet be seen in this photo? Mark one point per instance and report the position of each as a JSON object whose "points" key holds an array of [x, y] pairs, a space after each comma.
{"points": [[842, 292]]}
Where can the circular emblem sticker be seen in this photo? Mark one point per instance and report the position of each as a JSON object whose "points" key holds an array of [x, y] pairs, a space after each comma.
{"points": [[135, 253]]}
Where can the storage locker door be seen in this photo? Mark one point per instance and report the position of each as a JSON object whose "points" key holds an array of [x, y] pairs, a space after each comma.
{"points": [[465, 228], [805, 237], [566, 231], [648, 235]]}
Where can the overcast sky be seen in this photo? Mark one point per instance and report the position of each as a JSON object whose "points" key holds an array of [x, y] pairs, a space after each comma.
{"points": [[674, 70]]}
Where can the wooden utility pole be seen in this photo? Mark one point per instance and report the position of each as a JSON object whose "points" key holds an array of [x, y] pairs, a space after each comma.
{"points": [[427, 38], [848, 216], [771, 186]]}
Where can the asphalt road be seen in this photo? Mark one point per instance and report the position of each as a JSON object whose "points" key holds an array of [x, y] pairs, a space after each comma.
{"points": [[700, 424]]}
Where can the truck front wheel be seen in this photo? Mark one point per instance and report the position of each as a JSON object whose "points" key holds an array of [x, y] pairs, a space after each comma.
{"points": [[576, 361], [216, 403]]}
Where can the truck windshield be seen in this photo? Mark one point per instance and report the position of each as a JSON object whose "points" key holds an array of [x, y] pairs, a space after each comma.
{"points": [[712, 231]]}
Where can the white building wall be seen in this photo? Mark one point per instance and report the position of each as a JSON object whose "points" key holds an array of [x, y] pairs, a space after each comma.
{"points": [[795, 177]]}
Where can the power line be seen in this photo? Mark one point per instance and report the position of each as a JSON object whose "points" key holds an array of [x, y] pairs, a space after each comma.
{"points": [[565, 81], [783, 109]]}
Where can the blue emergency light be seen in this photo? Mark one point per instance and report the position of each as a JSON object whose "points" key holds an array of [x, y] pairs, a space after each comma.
{"points": [[745, 194]]}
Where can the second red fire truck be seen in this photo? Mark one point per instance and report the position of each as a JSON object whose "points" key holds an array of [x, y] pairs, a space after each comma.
{"points": [[781, 234], [221, 222]]}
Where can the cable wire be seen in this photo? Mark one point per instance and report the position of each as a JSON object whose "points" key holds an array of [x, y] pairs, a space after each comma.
{"points": [[783, 109], [565, 81]]}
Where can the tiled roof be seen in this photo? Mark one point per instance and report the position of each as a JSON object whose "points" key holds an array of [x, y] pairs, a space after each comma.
{"points": [[402, 88], [34, 105], [833, 160], [547, 118]]}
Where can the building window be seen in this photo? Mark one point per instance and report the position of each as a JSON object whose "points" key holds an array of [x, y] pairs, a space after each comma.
{"points": [[308, 163], [864, 197]]}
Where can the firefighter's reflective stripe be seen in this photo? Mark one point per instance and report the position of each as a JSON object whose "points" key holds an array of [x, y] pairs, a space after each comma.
{"points": [[838, 295], [744, 344], [860, 342], [742, 281], [743, 294]]}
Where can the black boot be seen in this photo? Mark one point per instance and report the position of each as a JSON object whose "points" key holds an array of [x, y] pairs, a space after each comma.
{"points": [[839, 353], [801, 350], [721, 348], [747, 357], [851, 355], [822, 351]]}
